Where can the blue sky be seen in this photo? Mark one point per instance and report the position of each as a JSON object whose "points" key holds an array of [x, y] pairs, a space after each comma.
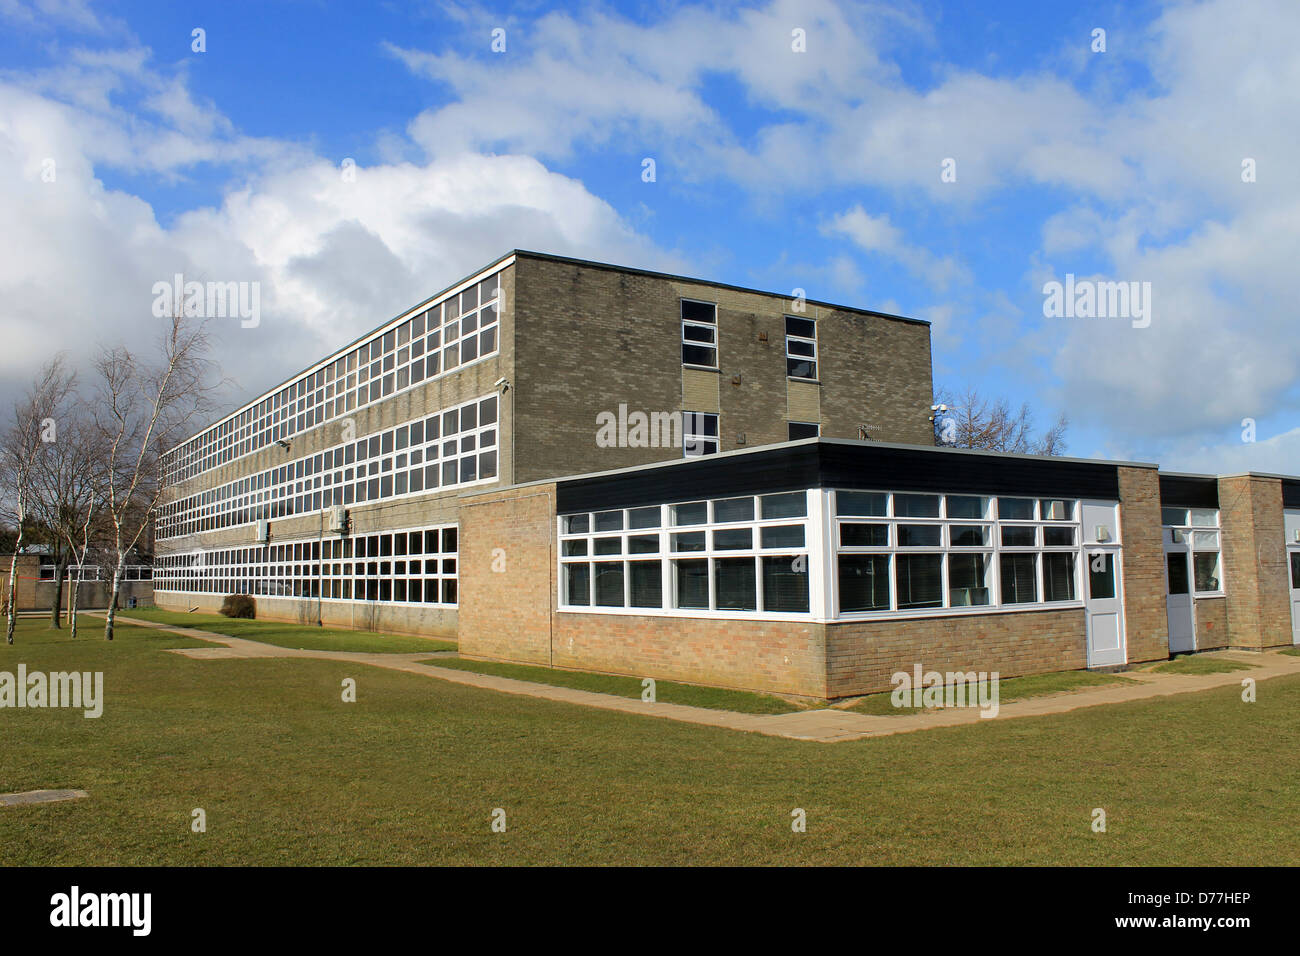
{"points": [[774, 168]]}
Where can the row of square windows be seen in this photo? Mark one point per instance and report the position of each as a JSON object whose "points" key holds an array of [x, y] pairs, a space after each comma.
{"points": [[448, 335], [450, 449]]}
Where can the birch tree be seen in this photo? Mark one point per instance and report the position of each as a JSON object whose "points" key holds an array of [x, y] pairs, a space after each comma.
{"points": [[34, 426], [142, 408]]}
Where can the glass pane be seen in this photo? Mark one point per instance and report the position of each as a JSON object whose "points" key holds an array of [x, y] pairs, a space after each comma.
{"points": [[737, 584], [696, 512], [575, 547], [698, 311], [918, 535], [646, 583], [609, 521], [918, 580], [1016, 509], [1207, 540], [968, 580], [610, 545], [576, 524], [609, 584], [1206, 570], [1019, 579], [916, 506], [692, 583], [1173, 516], [1295, 569], [733, 509], [1058, 537], [1058, 577], [1205, 517], [864, 582], [856, 535], [688, 541], [643, 518], [969, 535], [1176, 563], [967, 506], [865, 503], [1018, 537], [733, 539], [1101, 576], [788, 536], [1054, 509], [643, 544], [577, 584], [785, 583], [792, 504]]}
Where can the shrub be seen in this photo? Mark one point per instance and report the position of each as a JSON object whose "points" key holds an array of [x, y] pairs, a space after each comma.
{"points": [[238, 605]]}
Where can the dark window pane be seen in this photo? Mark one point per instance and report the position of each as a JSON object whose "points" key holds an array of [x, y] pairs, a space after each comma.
{"points": [[799, 430], [646, 583], [1058, 577], [699, 355], [785, 583], [864, 582], [577, 584], [1019, 579], [609, 584], [699, 311], [736, 584], [692, 583], [918, 581], [853, 535], [968, 580]]}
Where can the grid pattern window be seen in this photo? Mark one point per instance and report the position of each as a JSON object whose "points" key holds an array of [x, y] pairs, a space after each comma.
{"points": [[700, 434], [732, 555], [94, 572], [457, 331], [699, 333], [900, 552], [412, 566], [800, 347], [1199, 528], [452, 448]]}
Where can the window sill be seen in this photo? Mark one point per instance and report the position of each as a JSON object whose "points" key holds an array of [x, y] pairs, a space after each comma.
{"points": [[809, 381], [702, 368]]}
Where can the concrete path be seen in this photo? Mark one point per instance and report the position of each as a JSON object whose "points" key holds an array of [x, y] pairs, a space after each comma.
{"points": [[827, 725]]}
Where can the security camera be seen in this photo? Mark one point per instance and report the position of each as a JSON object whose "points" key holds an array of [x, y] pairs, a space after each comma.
{"points": [[502, 383]]}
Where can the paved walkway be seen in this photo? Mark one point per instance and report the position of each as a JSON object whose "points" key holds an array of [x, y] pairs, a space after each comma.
{"points": [[827, 725]]}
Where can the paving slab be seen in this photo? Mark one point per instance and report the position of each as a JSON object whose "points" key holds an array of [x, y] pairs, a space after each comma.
{"points": [[40, 796]]}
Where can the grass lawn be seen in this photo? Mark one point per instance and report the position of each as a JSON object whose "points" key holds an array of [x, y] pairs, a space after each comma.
{"points": [[1011, 689], [305, 636], [1201, 664], [666, 692], [411, 772], [1292, 652]]}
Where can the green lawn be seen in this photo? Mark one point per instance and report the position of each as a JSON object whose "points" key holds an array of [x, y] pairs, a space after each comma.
{"points": [[1011, 689], [411, 772], [302, 636], [1201, 664], [666, 692], [1292, 652]]}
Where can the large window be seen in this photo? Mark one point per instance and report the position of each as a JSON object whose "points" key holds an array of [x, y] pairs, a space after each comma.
{"points": [[451, 448], [699, 434], [910, 552], [412, 566], [800, 347], [743, 554], [459, 330], [1195, 530], [699, 333]]}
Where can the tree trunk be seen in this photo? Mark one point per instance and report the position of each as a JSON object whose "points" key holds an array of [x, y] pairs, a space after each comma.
{"points": [[10, 610], [60, 570], [111, 616], [72, 611]]}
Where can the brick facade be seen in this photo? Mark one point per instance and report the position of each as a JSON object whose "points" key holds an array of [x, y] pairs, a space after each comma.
{"points": [[1146, 623], [1255, 573]]}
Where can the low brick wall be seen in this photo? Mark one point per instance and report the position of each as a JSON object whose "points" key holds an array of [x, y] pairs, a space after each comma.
{"points": [[863, 655], [1211, 623]]}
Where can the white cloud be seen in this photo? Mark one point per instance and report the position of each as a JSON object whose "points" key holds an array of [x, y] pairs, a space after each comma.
{"points": [[876, 234]]}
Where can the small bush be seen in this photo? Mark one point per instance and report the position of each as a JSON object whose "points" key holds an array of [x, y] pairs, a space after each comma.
{"points": [[239, 605]]}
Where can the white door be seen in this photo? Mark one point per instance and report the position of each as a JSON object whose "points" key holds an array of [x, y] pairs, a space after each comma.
{"points": [[1179, 606], [1104, 605], [1293, 556]]}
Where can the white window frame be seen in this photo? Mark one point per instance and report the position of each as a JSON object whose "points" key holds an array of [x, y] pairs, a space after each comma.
{"points": [[803, 339], [695, 323], [1185, 535], [689, 435]]}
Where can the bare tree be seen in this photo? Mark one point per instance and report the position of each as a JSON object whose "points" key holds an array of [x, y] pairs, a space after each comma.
{"points": [[972, 420], [69, 488], [142, 409], [33, 428]]}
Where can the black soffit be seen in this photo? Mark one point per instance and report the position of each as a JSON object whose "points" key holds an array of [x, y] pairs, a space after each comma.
{"points": [[864, 466], [1290, 493]]}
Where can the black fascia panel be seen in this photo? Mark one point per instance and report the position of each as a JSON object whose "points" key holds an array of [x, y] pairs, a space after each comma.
{"points": [[1188, 491], [851, 466], [1290, 493]]}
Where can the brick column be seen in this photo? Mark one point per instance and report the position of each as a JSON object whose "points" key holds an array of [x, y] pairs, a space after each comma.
{"points": [[1254, 561], [1146, 625]]}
